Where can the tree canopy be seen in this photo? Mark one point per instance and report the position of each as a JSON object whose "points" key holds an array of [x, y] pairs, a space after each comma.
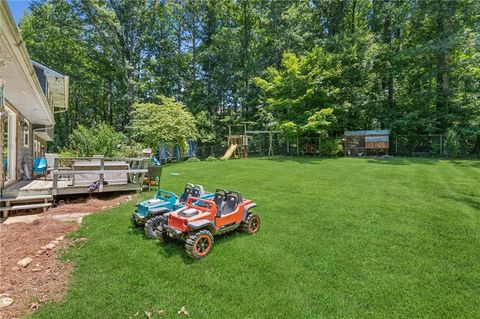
{"points": [[411, 66]]}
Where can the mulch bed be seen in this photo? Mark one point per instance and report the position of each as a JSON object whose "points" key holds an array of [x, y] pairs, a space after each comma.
{"points": [[45, 278]]}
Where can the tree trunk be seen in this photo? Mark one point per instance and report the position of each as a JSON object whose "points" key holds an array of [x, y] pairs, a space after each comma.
{"points": [[444, 26], [110, 98], [387, 30], [244, 54], [354, 4]]}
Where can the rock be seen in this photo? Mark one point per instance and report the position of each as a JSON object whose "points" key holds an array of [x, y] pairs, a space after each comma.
{"points": [[34, 305], [24, 262], [129, 197], [60, 238], [40, 252], [36, 269], [104, 207], [5, 302], [50, 246]]}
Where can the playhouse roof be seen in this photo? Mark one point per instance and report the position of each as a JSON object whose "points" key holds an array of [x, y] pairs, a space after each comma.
{"points": [[367, 133]]}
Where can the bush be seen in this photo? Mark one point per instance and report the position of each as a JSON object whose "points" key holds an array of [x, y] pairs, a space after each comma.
{"points": [[452, 144], [211, 158], [67, 153], [435, 149], [331, 147], [193, 159], [101, 140]]}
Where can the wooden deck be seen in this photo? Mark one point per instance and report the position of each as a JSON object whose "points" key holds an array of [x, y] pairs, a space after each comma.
{"points": [[45, 187], [67, 179]]}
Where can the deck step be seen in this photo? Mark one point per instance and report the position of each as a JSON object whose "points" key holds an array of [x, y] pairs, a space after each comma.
{"points": [[22, 207], [26, 198]]}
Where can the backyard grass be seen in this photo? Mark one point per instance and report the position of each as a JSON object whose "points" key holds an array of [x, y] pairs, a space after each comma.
{"points": [[342, 238]]}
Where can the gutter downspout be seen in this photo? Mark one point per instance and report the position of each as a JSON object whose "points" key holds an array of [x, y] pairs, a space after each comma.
{"points": [[44, 129]]}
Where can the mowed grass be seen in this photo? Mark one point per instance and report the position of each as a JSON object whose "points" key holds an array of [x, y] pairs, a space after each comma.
{"points": [[340, 238]]}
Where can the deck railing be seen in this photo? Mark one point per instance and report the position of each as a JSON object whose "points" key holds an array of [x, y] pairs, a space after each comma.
{"points": [[134, 168]]}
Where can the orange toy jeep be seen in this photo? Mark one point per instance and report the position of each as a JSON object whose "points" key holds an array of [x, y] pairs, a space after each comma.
{"points": [[201, 219]]}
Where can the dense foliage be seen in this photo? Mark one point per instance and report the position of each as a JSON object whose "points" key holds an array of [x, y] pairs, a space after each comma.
{"points": [[408, 65], [101, 139], [167, 122]]}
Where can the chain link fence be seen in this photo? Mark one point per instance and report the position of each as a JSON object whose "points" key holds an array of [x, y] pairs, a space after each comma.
{"points": [[260, 147], [400, 145], [434, 145]]}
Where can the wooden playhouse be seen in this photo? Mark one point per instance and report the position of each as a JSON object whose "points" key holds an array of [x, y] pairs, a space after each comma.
{"points": [[366, 143]]}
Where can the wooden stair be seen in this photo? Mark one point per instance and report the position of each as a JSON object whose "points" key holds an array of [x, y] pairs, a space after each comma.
{"points": [[25, 202]]}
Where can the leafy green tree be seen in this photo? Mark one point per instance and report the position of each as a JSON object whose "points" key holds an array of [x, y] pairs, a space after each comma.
{"points": [[167, 122]]}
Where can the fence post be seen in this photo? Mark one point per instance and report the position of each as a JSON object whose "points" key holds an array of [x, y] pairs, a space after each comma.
{"points": [[102, 176], [319, 146], [298, 147], [396, 145], [441, 145]]}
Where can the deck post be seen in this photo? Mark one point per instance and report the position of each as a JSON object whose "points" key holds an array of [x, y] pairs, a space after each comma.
{"points": [[56, 165], [5, 212], [102, 175]]}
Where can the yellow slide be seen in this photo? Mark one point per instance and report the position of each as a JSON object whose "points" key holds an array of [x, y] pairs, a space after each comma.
{"points": [[229, 152]]}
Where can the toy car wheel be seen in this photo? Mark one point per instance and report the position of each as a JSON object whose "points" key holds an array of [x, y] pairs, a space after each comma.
{"points": [[199, 244], [252, 223], [134, 221], [151, 226]]}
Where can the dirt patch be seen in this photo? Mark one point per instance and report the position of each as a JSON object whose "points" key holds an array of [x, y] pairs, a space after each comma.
{"points": [[45, 278]]}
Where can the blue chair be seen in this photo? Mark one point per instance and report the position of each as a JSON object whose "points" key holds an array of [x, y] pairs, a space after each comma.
{"points": [[40, 166]]}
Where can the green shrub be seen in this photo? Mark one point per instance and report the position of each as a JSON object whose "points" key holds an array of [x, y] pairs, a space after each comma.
{"points": [[211, 158], [101, 139], [331, 147], [435, 149], [452, 144], [67, 153], [193, 159]]}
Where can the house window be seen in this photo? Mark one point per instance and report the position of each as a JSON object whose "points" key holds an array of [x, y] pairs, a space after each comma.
{"points": [[26, 134]]}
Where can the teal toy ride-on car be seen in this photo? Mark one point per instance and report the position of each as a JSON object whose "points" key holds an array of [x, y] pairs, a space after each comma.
{"points": [[149, 213]]}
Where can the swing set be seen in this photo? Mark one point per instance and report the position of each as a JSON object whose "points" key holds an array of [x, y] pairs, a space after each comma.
{"points": [[238, 144]]}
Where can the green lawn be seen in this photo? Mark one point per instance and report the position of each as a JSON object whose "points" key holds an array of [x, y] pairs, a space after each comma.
{"points": [[340, 238]]}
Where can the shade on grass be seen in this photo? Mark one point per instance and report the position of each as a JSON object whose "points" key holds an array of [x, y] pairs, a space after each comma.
{"points": [[342, 238]]}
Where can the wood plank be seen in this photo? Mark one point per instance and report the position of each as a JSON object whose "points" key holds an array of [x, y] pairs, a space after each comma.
{"points": [[98, 172], [26, 198], [106, 188], [21, 207]]}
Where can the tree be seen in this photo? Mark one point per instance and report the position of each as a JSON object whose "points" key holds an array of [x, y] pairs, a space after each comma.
{"points": [[406, 65], [167, 122]]}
